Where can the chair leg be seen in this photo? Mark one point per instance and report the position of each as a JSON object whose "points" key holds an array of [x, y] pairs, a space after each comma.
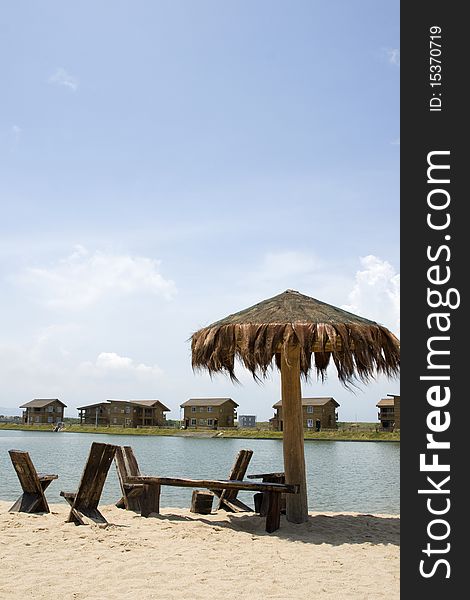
{"points": [[32, 503], [121, 503], [258, 499], [273, 518], [150, 500]]}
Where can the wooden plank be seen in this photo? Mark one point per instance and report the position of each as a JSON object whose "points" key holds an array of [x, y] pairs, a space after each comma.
{"points": [[273, 517], [43, 477], [263, 476], [150, 500], [86, 516], [84, 508], [293, 436], [126, 466], [237, 473], [69, 496], [94, 474], [236, 506], [201, 502], [217, 484]]}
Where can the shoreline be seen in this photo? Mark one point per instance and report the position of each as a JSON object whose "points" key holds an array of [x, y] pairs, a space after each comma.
{"points": [[333, 436], [220, 554]]}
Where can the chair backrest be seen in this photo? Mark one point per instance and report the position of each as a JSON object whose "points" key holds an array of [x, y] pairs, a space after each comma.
{"points": [[26, 472], [94, 475], [126, 463], [238, 471]]}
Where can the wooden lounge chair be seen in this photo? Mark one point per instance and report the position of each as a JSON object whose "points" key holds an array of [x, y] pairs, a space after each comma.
{"points": [[32, 500], [126, 466], [228, 497], [84, 502]]}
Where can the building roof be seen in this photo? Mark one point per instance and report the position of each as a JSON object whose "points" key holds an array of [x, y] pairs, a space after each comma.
{"points": [[147, 403], [207, 402], [91, 405], [311, 402], [394, 395], [41, 402], [150, 403], [386, 402]]}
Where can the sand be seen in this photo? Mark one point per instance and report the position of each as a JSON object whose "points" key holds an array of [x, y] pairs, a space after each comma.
{"points": [[181, 555]]}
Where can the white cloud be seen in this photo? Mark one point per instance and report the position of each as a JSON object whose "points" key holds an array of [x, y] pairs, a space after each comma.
{"points": [[84, 278], [111, 363], [62, 78], [393, 56], [395, 142], [376, 293]]}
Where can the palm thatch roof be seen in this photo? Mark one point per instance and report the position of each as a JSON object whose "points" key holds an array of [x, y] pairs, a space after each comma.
{"points": [[359, 348]]}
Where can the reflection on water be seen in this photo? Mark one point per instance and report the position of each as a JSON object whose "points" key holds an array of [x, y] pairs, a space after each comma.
{"points": [[342, 476]]}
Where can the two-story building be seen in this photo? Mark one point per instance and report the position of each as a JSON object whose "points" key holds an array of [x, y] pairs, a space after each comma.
{"points": [[389, 412], [209, 413], [124, 413], [317, 414], [246, 420], [43, 411]]}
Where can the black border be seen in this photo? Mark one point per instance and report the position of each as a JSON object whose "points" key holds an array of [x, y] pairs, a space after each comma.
{"points": [[423, 131]]}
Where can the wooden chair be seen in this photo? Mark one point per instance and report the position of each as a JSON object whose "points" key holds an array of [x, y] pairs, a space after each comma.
{"points": [[32, 500], [84, 502], [228, 498], [126, 466]]}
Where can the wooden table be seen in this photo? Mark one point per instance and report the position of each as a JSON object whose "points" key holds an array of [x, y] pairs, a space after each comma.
{"points": [[150, 499]]}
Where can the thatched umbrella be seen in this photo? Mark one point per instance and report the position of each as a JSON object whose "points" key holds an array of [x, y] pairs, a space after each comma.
{"points": [[288, 329]]}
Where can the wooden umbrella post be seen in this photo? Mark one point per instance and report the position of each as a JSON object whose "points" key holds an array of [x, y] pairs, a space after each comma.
{"points": [[293, 434]]}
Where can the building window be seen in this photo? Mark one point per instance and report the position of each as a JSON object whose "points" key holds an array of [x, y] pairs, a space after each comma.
{"points": [[210, 421], [310, 409], [202, 421], [309, 423], [50, 408], [128, 410], [193, 409], [50, 419], [209, 409], [193, 421], [114, 421]]}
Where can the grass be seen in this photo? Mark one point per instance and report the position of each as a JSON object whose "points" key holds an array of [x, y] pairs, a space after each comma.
{"points": [[345, 432]]}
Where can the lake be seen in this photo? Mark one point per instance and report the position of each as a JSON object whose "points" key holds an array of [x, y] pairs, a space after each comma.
{"points": [[341, 476]]}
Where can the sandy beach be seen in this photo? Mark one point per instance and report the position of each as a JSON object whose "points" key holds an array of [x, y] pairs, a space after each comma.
{"points": [[180, 555]]}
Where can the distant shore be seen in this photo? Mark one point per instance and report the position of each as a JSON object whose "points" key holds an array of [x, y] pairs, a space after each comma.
{"points": [[353, 432]]}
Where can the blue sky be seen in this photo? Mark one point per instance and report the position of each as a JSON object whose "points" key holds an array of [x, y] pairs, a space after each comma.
{"points": [[163, 164]]}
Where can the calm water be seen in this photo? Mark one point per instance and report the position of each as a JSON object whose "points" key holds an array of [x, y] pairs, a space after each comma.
{"points": [[342, 476]]}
